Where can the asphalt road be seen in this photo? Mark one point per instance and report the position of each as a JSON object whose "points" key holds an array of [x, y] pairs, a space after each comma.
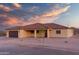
{"points": [[40, 50]]}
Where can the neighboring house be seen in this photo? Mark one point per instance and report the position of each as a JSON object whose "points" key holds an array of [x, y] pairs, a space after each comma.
{"points": [[38, 30]]}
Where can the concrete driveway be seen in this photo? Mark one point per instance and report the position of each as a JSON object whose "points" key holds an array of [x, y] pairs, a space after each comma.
{"points": [[29, 50], [39, 46]]}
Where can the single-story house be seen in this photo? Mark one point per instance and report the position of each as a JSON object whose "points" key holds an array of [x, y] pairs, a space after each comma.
{"points": [[39, 30]]}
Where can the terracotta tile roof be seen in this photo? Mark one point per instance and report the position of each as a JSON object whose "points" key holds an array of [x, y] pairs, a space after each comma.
{"points": [[15, 28], [36, 26], [39, 26], [55, 26]]}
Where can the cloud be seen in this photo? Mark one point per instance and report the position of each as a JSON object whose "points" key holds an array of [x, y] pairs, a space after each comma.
{"points": [[3, 15], [13, 21], [57, 12], [9, 19], [46, 17], [49, 16], [33, 8], [16, 5], [5, 8], [8, 9]]}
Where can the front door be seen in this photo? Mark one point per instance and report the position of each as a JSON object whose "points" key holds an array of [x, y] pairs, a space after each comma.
{"points": [[46, 33]]}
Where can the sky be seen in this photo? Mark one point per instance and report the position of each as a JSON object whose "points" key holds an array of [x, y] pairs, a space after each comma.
{"points": [[20, 14]]}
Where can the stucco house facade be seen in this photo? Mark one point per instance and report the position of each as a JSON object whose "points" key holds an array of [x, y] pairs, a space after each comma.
{"points": [[39, 30]]}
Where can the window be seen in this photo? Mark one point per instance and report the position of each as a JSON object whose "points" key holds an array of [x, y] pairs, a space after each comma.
{"points": [[58, 31]]}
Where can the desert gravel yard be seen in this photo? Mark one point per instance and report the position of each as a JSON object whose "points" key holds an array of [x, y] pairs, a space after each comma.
{"points": [[39, 46]]}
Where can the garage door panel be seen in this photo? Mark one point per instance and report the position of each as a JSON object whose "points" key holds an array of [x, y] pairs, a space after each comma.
{"points": [[13, 34]]}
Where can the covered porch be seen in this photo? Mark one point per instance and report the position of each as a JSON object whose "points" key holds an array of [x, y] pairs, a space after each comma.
{"points": [[36, 33]]}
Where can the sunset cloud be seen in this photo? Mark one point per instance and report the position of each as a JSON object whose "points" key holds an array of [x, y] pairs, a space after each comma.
{"points": [[57, 12], [16, 5], [49, 16], [3, 15], [13, 14], [5, 8], [33, 8], [46, 17], [13, 21], [8, 9]]}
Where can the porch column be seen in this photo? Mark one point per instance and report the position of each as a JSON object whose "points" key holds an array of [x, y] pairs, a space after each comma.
{"points": [[35, 33], [48, 33]]}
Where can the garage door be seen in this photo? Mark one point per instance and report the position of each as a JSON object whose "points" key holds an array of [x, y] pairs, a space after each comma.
{"points": [[13, 34]]}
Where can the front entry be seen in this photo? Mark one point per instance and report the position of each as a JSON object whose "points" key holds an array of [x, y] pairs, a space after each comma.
{"points": [[45, 33], [13, 34], [41, 33]]}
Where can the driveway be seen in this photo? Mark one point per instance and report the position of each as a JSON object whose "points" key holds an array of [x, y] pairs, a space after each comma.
{"points": [[39, 46], [29, 50]]}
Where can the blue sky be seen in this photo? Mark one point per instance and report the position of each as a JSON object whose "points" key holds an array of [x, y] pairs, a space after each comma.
{"points": [[72, 18], [13, 14]]}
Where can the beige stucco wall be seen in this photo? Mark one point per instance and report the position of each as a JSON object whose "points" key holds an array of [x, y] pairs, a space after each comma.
{"points": [[29, 34], [64, 33], [70, 32], [52, 33], [24, 34]]}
